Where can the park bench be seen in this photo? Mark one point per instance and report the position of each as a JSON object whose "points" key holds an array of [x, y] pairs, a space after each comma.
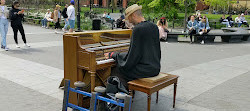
{"points": [[173, 36], [228, 35]]}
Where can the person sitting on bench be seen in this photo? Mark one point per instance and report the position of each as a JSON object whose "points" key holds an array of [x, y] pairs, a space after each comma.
{"points": [[230, 20], [203, 28], [223, 20], [243, 20], [144, 55], [192, 27], [163, 34], [46, 19], [237, 20]]}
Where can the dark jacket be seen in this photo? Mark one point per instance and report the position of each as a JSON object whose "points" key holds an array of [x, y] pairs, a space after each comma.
{"points": [[229, 18], [144, 55], [64, 13], [15, 19], [223, 20]]}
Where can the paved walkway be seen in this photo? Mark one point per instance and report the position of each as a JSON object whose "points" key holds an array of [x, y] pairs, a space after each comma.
{"points": [[212, 77]]}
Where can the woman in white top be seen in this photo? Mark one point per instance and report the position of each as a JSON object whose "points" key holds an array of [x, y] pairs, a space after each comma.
{"points": [[243, 20], [47, 17], [237, 21], [4, 23]]}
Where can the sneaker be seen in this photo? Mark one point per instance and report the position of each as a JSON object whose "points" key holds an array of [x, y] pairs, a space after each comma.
{"points": [[202, 42], [47, 27], [191, 42], [2, 46], [56, 32], [63, 29], [6, 49], [17, 46], [26, 45], [229, 26]]}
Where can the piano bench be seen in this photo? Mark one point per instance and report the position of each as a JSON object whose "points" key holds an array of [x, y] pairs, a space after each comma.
{"points": [[153, 84]]}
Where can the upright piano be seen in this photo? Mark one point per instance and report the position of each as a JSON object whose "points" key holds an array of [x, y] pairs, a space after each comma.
{"points": [[84, 56]]}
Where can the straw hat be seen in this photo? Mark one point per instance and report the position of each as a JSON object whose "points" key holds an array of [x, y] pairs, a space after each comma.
{"points": [[131, 10], [58, 6]]}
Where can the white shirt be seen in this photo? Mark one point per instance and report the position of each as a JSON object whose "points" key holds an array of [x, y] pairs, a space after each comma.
{"points": [[242, 19], [104, 15], [2, 10], [47, 15], [237, 20], [71, 12]]}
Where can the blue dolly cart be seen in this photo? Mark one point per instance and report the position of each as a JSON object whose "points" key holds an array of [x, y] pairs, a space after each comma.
{"points": [[120, 99]]}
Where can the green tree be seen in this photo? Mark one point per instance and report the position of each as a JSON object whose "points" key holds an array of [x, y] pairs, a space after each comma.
{"points": [[219, 4]]}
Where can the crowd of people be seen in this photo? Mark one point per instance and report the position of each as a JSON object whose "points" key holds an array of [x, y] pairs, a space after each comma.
{"points": [[68, 14], [229, 22]]}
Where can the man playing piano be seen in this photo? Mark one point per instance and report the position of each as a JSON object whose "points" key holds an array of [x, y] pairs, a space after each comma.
{"points": [[144, 55]]}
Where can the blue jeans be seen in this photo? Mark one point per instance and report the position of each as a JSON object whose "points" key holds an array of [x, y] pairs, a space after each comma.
{"points": [[44, 22], [239, 24], [227, 23], [4, 24], [66, 23], [72, 24]]}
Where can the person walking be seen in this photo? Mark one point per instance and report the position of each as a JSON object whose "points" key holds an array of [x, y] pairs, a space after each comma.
{"points": [[65, 16], [71, 15], [57, 18], [16, 17], [4, 24]]}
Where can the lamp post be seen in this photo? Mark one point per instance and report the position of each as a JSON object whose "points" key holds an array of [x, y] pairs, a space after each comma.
{"points": [[90, 4], [78, 16]]}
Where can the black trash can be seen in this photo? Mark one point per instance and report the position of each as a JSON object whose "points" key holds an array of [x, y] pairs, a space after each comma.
{"points": [[96, 25]]}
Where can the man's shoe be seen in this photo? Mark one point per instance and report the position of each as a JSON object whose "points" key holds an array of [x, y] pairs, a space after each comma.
{"points": [[202, 42], [6, 49], [200, 33], [17, 46], [26, 45]]}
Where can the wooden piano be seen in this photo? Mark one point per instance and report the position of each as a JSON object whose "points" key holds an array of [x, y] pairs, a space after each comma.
{"points": [[84, 56]]}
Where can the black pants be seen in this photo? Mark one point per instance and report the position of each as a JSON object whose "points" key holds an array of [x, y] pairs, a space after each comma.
{"points": [[245, 23], [203, 37], [191, 33], [57, 25], [21, 30], [124, 80]]}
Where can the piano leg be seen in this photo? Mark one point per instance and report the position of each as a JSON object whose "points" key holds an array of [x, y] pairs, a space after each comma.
{"points": [[92, 75]]}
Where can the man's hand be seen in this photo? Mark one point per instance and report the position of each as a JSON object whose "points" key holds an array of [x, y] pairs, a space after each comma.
{"points": [[20, 12], [67, 19], [106, 55]]}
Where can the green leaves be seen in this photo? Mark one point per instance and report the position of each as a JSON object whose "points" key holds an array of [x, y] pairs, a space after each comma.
{"points": [[154, 3]]}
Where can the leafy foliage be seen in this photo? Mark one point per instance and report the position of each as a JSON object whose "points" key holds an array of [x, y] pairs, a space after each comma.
{"points": [[167, 8]]}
